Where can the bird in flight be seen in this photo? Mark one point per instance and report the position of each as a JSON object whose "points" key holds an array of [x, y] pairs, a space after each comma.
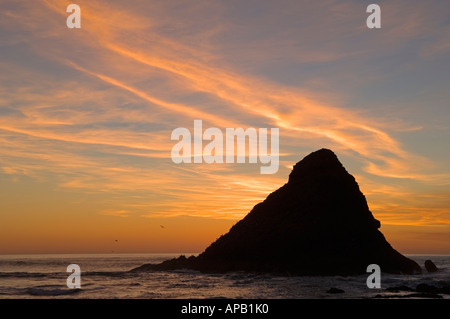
{"points": [[162, 226]]}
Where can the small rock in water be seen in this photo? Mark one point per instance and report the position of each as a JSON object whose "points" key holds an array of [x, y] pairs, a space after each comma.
{"points": [[335, 291], [399, 288], [427, 288], [430, 266], [445, 290]]}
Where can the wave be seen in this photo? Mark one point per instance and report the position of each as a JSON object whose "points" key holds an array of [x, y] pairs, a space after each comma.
{"points": [[124, 274], [51, 290], [26, 274], [34, 262]]}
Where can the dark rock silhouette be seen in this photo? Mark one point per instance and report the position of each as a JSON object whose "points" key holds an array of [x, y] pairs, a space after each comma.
{"points": [[334, 290], [318, 223], [427, 288], [399, 288], [430, 266]]}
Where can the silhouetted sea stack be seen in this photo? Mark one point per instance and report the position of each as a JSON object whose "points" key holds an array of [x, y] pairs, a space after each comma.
{"points": [[430, 266], [316, 224]]}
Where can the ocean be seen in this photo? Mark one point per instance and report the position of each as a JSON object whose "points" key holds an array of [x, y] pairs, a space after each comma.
{"points": [[106, 276]]}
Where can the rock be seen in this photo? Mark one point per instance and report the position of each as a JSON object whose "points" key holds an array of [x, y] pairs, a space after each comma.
{"points": [[172, 264], [427, 288], [430, 266], [399, 288], [318, 223], [445, 290], [335, 291]]}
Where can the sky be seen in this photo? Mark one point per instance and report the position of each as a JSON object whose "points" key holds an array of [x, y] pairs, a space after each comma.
{"points": [[86, 116]]}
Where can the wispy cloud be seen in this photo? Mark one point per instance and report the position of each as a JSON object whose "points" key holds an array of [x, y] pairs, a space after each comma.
{"points": [[100, 115]]}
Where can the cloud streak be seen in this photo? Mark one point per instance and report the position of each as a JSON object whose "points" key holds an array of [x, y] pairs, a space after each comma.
{"points": [[107, 125]]}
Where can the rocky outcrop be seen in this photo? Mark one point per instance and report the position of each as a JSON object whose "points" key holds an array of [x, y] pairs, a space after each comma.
{"points": [[334, 290], [318, 223], [430, 266]]}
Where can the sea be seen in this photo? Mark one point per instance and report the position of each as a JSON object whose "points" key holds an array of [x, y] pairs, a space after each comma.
{"points": [[107, 276]]}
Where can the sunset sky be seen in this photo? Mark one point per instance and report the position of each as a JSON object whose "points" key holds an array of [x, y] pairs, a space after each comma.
{"points": [[86, 116]]}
